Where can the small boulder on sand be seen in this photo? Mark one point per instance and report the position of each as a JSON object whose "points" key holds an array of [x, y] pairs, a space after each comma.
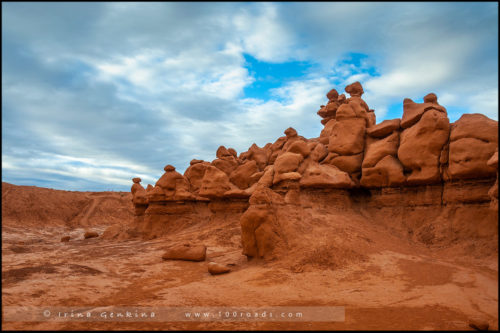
{"points": [[186, 252], [479, 324], [215, 268], [90, 234], [65, 239]]}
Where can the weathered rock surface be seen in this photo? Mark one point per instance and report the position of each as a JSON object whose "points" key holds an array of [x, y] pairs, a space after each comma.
{"points": [[420, 147], [412, 112], [215, 183], [473, 140], [216, 269], [384, 128], [186, 252], [259, 225]]}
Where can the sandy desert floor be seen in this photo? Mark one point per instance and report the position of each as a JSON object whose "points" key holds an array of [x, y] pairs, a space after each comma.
{"points": [[404, 287]]}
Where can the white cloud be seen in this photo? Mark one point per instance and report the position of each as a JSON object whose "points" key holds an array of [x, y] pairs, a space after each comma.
{"points": [[133, 87]]}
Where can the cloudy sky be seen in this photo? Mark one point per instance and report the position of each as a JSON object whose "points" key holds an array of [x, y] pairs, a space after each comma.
{"points": [[94, 94]]}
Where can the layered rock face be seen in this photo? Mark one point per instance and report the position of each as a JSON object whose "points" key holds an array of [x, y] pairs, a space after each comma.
{"points": [[353, 157]]}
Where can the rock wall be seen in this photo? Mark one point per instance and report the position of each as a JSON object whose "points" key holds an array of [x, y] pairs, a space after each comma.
{"points": [[386, 169]]}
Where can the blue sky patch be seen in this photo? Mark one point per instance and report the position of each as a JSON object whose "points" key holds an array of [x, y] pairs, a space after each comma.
{"points": [[272, 75]]}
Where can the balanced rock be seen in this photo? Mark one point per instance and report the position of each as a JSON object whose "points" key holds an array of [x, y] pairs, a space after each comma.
{"points": [[138, 192], [354, 89], [186, 252], [174, 185]]}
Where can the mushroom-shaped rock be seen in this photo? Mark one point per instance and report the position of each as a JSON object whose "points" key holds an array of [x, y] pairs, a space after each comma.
{"points": [[354, 89], [290, 132], [215, 268], [186, 252], [332, 95], [174, 185], [138, 192]]}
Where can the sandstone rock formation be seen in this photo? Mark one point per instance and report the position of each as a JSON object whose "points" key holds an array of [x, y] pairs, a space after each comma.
{"points": [[352, 155], [139, 196], [172, 186], [473, 140], [186, 252], [216, 269], [259, 225], [65, 238], [425, 132]]}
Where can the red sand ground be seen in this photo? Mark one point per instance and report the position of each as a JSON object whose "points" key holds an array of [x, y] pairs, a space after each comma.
{"points": [[363, 258]]}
